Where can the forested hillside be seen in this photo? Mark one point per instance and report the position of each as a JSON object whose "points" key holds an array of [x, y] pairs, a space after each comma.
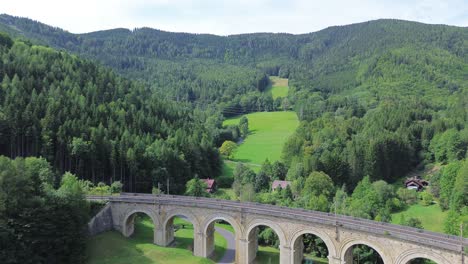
{"points": [[230, 71], [85, 119], [378, 99]]}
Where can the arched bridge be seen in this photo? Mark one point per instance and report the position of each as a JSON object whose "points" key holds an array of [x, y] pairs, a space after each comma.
{"points": [[395, 244]]}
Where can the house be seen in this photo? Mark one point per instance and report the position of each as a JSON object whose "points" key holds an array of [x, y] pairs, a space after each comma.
{"points": [[416, 183], [281, 184], [211, 185]]}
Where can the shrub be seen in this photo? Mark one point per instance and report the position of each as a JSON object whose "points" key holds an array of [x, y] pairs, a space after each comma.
{"points": [[426, 198], [225, 181], [116, 187], [408, 196]]}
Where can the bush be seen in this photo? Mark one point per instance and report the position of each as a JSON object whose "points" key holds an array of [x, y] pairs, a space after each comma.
{"points": [[225, 181], [408, 196], [227, 149], [100, 189], [156, 191], [426, 198], [116, 187]]}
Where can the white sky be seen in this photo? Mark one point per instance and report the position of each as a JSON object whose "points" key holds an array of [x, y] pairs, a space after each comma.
{"points": [[225, 17]]}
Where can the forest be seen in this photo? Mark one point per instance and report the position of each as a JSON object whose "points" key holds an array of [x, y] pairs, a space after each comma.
{"points": [[87, 120]]}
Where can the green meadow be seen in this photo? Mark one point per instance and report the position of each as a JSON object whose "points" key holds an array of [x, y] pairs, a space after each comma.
{"points": [[432, 217], [112, 248], [268, 131], [279, 87]]}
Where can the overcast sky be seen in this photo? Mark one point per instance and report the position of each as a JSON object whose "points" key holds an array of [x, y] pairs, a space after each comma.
{"points": [[225, 17]]}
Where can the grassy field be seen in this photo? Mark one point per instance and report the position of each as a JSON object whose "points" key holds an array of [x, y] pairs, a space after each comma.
{"points": [[113, 248], [268, 133], [279, 87], [267, 255], [432, 217]]}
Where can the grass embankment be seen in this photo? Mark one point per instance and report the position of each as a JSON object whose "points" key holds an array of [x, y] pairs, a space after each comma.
{"points": [[279, 87], [268, 133], [432, 217], [113, 248]]}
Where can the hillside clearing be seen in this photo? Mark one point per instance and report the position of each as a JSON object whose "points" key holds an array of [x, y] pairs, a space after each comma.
{"points": [[279, 87], [268, 131]]}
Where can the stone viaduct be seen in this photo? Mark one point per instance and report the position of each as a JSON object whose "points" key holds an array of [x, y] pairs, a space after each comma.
{"points": [[395, 244]]}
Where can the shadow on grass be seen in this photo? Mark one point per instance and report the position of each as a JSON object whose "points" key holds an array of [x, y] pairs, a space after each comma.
{"points": [[267, 257], [242, 160], [183, 243], [252, 132], [112, 248]]}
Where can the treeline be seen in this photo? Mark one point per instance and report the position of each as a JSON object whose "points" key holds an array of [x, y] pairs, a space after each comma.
{"points": [[87, 120]]}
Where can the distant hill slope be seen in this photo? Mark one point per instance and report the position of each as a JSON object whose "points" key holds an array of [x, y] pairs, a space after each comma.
{"points": [[319, 58]]}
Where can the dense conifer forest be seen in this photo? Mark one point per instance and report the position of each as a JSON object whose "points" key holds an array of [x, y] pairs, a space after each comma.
{"points": [[85, 119]]}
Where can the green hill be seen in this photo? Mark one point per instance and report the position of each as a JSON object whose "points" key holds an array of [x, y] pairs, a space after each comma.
{"points": [[230, 70]]}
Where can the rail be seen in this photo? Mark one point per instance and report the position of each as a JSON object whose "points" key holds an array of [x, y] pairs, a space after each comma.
{"points": [[428, 238]]}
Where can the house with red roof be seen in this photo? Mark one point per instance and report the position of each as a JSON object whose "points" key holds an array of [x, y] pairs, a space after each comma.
{"points": [[211, 185], [281, 184]]}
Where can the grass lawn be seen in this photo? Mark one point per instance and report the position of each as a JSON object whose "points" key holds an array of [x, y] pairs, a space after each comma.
{"points": [[432, 217], [229, 166], [228, 227], [267, 255], [316, 260], [279, 87], [268, 133], [112, 248]]}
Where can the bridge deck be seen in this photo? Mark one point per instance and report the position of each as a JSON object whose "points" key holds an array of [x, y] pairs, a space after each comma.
{"points": [[428, 238]]}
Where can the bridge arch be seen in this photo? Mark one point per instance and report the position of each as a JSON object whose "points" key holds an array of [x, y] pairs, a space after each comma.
{"points": [[208, 231], [259, 222], [413, 254], [221, 216], [310, 230], [168, 230], [251, 250], [183, 213], [129, 218], [348, 245]]}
